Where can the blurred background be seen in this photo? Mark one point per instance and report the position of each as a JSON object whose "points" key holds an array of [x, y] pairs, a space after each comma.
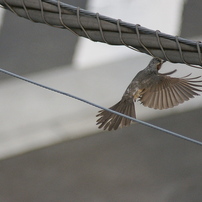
{"points": [[50, 147]]}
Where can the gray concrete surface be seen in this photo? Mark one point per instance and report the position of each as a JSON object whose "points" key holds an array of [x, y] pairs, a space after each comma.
{"points": [[191, 19], [28, 47], [131, 164]]}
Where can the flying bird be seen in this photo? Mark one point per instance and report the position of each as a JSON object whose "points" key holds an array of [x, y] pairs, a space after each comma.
{"points": [[153, 90]]}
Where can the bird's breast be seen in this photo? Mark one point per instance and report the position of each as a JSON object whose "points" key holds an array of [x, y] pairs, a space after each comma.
{"points": [[137, 94]]}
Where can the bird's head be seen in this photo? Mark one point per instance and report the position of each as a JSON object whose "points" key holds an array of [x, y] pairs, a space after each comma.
{"points": [[155, 64]]}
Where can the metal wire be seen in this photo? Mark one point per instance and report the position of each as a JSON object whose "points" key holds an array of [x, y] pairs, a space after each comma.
{"points": [[26, 11], [100, 107], [79, 21], [61, 20], [43, 16], [160, 45], [9, 7], [140, 41], [121, 38], [181, 53], [100, 28]]}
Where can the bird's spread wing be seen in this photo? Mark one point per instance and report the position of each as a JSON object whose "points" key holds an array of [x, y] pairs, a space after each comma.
{"points": [[167, 92]]}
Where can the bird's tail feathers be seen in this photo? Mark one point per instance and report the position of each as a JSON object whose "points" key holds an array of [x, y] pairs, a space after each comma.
{"points": [[109, 121]]}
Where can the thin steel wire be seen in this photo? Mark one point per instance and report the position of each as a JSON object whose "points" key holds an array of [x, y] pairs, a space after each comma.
{"points": [[100, 107], [100, 28], [43, 16], [79, 21], [180, 51], [10, 7], [26, 11], [121, 38], [61, 20], [160, 45], [140, 41]]}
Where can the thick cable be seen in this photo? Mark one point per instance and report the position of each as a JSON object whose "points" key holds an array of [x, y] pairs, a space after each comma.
{"points": [[161, 46], [87, 24], [100, 28], [26, 11], [79, 22], [61, 20], [140, 41], [121, 38]]}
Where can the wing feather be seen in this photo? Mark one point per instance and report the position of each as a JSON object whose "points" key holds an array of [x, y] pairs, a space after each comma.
{"points": [[167, 92]]}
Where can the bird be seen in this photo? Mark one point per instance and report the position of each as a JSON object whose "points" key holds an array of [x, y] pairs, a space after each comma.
{"points": [[154, 90]]}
